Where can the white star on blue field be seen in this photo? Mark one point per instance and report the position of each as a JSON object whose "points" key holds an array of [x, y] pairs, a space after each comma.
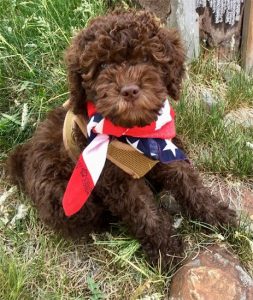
{"points": [[158, 149]]}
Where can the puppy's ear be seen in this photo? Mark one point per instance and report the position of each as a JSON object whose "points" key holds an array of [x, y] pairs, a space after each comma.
{"points": [[174, 63], [77, 92]]}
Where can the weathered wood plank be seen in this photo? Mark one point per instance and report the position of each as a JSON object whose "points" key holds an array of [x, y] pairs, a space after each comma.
{"points": [[222, 37], [184, 17], [247, 37]]}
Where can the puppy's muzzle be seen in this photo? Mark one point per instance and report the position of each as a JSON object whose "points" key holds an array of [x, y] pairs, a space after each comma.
{"points": [[130, 92]]}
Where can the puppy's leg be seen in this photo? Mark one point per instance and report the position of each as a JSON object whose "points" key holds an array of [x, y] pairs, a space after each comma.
{"points": [[133, 203], [42, 167], [93, 217], [196, 200], [47, 198]]}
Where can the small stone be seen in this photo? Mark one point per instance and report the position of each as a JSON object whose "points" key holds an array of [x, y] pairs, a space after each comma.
{"points": [[229, 70], [21, 214], [177, 223], [213, 275], [168, 202], [241, 116], [4, 196], [250, 145], [235, 67], [208, 98], [228, 75]]}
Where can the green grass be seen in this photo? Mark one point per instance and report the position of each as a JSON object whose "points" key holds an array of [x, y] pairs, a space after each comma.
{"points": [[33, 37], [240, 91], [215, 147], [34, 262], [37, 264]]}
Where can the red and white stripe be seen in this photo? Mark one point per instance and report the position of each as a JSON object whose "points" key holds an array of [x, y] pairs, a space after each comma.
{"points": [[92, 159]]}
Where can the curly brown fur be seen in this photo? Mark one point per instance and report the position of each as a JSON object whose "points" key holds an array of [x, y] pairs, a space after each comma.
{"points": [[128, 50], [117, 50]]}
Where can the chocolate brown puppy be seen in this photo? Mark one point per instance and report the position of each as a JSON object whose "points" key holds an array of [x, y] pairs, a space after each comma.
{"points": [[126, 64]]}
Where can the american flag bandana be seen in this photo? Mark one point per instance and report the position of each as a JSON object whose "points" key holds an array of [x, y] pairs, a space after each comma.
{"points": [[153, 140]]}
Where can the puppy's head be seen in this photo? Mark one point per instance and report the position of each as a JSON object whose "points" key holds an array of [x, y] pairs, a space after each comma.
{"points": [[127, 64]]}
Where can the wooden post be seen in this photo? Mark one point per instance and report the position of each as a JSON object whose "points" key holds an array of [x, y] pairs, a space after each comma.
{"points": [[247, 37], [184, 17]]}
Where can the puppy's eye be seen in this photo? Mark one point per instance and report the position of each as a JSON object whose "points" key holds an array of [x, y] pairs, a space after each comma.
{"points": [[103, 66], [145, 58]]}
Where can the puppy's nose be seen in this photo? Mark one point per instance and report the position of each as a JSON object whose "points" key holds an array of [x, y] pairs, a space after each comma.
{"points": [[130, 91]]}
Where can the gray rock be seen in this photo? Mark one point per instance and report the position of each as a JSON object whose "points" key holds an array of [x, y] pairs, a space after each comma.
{"points": [[168, 202], [208, 98], [241, 116], [229, 70]]}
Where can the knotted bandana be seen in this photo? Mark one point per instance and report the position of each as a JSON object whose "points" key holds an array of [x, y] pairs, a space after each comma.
{"points": [[153, 141]]}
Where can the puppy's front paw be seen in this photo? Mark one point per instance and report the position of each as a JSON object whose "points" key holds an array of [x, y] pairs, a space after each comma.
{"points": [[220, 214], [168, 255], [224, 215]]}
